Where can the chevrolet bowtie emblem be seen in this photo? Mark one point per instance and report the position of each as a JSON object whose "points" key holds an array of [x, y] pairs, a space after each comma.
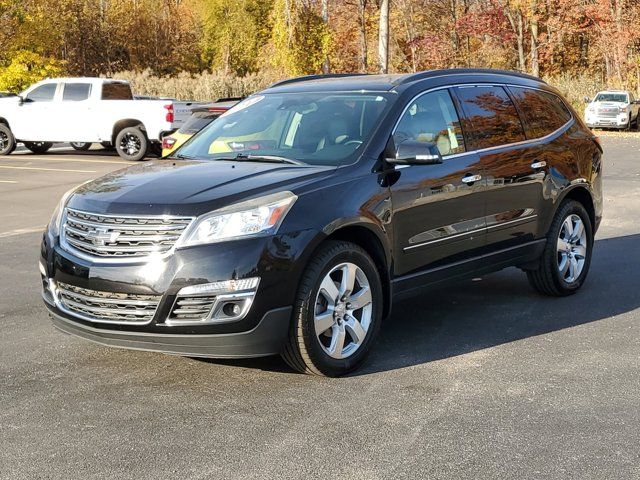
{"points": [[101, 236]]}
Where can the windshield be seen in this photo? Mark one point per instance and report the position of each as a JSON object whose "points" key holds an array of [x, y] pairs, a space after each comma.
{"points": [[314, 128], [612, 97]]}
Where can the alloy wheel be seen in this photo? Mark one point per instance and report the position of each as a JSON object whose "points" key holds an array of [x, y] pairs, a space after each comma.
{"points": [[130, 144], [4, 140], [572, 248], [343, 310]]}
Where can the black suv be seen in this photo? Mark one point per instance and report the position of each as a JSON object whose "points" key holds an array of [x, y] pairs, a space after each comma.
{"points": [[290, 224]]}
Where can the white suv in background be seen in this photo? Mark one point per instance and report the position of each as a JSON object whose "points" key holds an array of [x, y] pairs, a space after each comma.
{"points": [[612, 109]]}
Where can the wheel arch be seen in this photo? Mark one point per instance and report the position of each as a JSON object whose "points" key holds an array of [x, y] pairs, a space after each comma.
{"points": [[367, 237], [125, 123], [5, 121], [582, 195]]}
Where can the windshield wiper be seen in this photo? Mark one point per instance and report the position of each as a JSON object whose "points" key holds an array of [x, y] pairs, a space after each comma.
{"points": [[182, 157], [241, 157]]}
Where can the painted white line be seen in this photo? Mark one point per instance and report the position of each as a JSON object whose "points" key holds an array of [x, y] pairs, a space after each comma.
{"points": [[48, 169], [8, 181], [53, 159], [20, 231]]}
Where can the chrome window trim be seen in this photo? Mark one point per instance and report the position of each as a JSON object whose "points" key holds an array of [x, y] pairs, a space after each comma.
{"points": [[471, 232], [123, 260], [561, 129]]}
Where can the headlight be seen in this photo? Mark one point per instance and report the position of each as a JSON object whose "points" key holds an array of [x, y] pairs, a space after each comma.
{"points": [[254, 218], [56, 218]]}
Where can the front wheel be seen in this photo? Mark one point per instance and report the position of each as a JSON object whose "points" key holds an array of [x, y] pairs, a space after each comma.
{"points": [[337, 312], [81, 146], [38, 147], [7, 140], [566, 257], [132, 144]]}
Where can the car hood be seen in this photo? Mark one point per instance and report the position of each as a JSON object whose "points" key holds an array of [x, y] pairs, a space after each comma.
{"points": [[189, 187]]}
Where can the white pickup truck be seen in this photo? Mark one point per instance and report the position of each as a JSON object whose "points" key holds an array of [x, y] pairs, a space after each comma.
{"points": [[87, 110], [613, 109]]}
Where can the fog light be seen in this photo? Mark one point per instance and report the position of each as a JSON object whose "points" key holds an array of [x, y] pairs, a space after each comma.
{"points": [[231, 309]]}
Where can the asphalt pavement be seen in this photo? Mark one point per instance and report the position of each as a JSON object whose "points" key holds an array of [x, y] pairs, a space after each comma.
{"points": [[483, 379]]}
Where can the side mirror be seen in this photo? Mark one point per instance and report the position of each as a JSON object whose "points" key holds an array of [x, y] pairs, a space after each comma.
{"points": [[20, 100], [587, 100], [411, 152]]}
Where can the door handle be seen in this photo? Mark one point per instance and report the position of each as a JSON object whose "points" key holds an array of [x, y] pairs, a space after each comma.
{"points": [[538, 165], [471, 178]]}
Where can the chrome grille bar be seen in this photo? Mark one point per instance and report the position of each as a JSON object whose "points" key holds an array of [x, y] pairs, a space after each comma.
{"points": [[120, 238], [107, 307]]}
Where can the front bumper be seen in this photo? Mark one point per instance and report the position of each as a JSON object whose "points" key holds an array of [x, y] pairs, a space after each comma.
{"points": [[267, 338], [621, 121], [262, 331]]}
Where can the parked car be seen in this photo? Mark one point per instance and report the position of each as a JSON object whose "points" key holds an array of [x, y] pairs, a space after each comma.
{"points": [[87, 110], [201, 116], [291, 223], [613, 109]]}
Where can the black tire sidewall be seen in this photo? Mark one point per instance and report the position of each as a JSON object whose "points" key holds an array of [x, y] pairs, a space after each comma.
{"points": [[12, 141], [570, 208], [38, 147], [144, 144], [322, 361]]}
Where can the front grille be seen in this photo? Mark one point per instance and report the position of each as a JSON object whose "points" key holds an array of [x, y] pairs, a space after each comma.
{"points": [[189, 309], [107, 307], [608, 113], [121, 236]]}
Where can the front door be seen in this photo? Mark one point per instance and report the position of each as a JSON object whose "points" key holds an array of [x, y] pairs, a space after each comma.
{"points": [[34, 118], [438, 210]]}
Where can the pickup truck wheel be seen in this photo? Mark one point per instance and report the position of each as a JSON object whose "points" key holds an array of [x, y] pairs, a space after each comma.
{"points": [[132, 144], [337, 311], [81, 146], [38, 147], [7, 140], [566, 257]]}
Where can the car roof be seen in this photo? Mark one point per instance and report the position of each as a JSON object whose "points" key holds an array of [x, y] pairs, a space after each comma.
{"points": [[390, 82], [82, 80]]}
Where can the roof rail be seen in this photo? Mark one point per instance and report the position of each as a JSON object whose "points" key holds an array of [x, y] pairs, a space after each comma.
{"points": [[315, 77], [412, 77]]}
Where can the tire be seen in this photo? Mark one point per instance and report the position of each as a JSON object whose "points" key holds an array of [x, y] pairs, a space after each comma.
{"points": [[107, 146], [553, 276], [7, 140], [310, 352], [81, 146], [132, 144], [38, 147]]}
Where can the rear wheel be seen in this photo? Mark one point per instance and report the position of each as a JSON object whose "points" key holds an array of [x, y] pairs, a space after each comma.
{"points": [[565, 262], [7, 140], [38, 147], [81, 146], [337, 313], [132, 143]]}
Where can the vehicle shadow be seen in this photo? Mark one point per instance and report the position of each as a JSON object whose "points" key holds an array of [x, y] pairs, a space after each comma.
{"points": [[499, 308]]}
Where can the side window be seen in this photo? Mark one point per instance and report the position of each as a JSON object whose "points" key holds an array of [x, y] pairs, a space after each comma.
{"points": [[543, 112], [492, 117], [43, 93], [76, 92], [432, 118], [116, 91]]}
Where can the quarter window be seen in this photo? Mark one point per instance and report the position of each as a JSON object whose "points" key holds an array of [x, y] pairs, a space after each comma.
{"points": [[492, 117], [116, 91], [432, 118], [76, 92], [43, 93], [543, 112]]}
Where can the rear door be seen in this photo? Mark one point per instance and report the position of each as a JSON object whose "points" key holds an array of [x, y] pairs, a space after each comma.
{"points": [[438, 210], [75, 113], [513, 180]]}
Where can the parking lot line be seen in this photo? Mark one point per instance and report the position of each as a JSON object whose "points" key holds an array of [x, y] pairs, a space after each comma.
{"points": [[17, 158], [48, 169], [20, 231], [8, 181]]}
